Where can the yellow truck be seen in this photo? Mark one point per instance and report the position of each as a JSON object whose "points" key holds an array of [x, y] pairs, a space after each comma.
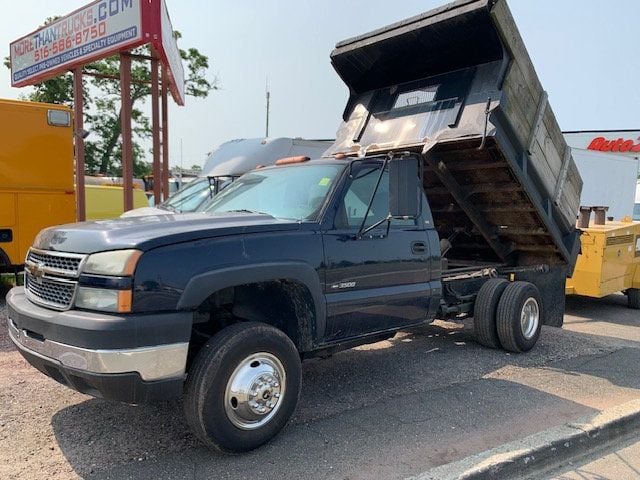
{"points": [[37, 186], [609, 261], [36, 175]]}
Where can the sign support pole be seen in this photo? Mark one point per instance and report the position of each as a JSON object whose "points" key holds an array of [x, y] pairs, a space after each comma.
{"points": [[155, 126], [165, 134], [125, 119], [78, 120]]}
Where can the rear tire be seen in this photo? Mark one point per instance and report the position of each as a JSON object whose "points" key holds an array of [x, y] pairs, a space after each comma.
{"points": [[633, 298], [519, 317], [243, 387], [484, 312]]}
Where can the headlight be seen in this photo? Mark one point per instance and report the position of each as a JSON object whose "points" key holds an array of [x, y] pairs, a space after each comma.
{"points": [[118, 262], [103, 299]]}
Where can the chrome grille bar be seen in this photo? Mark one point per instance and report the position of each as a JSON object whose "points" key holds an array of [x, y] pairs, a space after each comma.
{"points": [[56, 263]]}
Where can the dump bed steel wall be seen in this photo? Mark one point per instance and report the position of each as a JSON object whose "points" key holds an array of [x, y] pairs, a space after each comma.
{"points": [[457, 86]]}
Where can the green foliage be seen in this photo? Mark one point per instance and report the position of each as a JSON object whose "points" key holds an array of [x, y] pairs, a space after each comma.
{"points": [[103, 150]]}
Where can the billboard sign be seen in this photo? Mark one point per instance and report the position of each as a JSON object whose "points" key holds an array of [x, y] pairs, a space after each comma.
{"points": [[95, 31], [170, 53]]}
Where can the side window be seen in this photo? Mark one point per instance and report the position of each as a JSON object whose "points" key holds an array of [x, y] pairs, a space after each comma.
{"points": [[354, 205]]}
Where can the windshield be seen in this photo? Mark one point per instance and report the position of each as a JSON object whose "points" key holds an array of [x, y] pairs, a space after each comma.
{"points": [[189, 198], [295, 192]]}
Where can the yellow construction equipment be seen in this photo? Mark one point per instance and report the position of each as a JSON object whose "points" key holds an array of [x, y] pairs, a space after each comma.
{"points": [[609, 261]]}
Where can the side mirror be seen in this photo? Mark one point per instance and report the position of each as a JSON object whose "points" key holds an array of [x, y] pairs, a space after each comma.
{"points": [[403, 187]]}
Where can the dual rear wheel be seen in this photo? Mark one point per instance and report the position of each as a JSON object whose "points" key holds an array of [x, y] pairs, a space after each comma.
{"points": [[508, 315]]}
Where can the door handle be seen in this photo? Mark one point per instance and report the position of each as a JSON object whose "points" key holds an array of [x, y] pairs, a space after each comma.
{"points": [[418, 247]]}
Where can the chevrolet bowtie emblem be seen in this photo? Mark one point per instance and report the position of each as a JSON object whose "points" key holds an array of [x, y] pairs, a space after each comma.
{"points": [[35, 269]]}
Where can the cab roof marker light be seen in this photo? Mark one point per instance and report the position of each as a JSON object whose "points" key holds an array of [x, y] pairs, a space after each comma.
{"points": [[292, 160]]}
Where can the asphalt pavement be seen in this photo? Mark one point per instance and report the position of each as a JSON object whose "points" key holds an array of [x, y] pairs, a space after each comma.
{"points": [[389, 410]]}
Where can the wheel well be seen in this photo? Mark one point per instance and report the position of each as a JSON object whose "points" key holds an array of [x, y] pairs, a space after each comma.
{"points": [[4, 259], [284, 304], [5, 264]]}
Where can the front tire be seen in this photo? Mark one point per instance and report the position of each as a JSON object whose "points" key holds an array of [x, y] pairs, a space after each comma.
{"points": [[519, 317], [243, 387]]}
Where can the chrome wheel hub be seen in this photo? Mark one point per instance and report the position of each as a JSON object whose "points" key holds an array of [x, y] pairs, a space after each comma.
{"points": [[530, 318], [254, 391]]}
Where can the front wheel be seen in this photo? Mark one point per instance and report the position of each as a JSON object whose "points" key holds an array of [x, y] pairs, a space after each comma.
{"points": [[243, 387]]}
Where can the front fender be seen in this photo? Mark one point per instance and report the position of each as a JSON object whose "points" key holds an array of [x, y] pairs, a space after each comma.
{"points": [[202, 286]]}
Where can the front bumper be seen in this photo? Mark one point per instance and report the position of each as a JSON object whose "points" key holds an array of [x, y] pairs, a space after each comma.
{"points": [[131, 374]]}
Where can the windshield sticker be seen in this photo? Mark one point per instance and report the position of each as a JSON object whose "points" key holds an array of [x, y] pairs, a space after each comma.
{"points": [[324, 181]]}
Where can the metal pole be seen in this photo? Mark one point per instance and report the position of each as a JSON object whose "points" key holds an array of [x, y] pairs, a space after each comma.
{"points": [[165, 134], [155, 125], [125, 119], [268, 106], [78, 107]]}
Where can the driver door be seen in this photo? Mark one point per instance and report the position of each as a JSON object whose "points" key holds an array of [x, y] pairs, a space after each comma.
{"points": [[378, 281]]}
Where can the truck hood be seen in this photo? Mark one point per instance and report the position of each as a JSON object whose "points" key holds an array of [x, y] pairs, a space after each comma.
{"points": [[145, 233]]}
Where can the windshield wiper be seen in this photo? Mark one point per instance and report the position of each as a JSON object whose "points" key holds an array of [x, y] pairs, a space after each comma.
{"points": [[244, 210]]}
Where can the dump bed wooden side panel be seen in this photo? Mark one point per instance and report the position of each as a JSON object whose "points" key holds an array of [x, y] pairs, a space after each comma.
{"points": [[523, 100]]}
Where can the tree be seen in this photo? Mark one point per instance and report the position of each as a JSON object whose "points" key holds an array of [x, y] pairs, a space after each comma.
{"points": [[103, 150]]}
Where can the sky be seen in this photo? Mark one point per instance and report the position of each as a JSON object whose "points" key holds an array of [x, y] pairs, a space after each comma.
{"points": [[585, 53]]}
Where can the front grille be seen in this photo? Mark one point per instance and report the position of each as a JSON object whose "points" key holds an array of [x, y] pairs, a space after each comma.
{"points": [[619, 240], [67, 264], [50, 277], [50, 292]]}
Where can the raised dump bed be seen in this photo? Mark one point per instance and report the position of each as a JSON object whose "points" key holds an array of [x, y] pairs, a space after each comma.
{"points": [[457, 85]]}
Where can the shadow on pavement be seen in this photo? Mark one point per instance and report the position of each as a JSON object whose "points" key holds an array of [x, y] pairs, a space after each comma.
{"points": [[390, 409], [611, 309]]}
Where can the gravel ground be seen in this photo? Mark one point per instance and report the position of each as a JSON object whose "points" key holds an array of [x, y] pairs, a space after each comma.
{"points": [[49, 431]]}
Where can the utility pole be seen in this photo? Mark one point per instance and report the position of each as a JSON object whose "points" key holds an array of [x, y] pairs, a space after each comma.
{"points": [[268, 105], [181, 165]]}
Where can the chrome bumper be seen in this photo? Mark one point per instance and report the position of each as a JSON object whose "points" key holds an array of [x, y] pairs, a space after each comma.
{"points": [[151, 363]]}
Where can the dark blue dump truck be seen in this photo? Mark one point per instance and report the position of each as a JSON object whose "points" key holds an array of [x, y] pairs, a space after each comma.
{"points": [[448, 193]]}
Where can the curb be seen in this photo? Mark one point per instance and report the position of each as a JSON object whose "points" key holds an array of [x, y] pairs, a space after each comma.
{"points": [[528, 455]]}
